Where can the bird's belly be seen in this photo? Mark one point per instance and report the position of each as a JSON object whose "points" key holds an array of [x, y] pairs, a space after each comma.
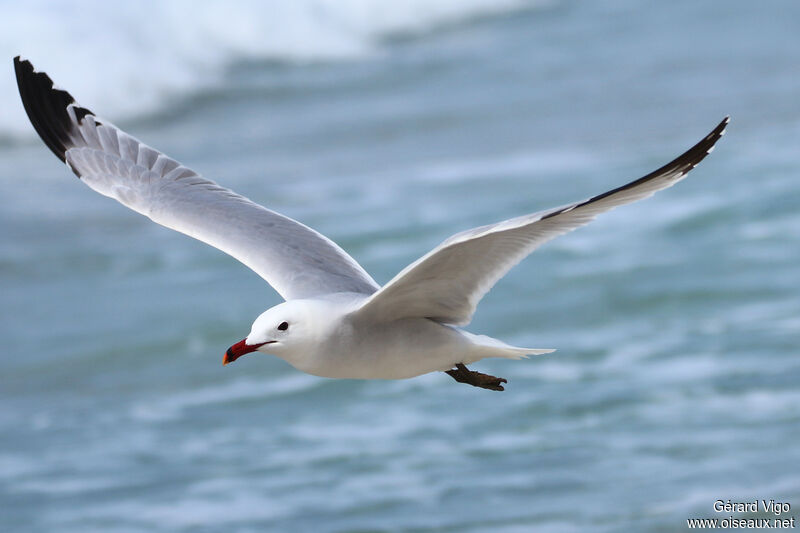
{"points": [[398, 350]]}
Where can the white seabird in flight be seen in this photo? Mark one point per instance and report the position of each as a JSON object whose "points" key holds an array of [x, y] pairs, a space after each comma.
{"points": [[336, 321]]}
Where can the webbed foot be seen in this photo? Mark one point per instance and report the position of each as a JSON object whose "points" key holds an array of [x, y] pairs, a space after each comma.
{"points": [[462, 374]]}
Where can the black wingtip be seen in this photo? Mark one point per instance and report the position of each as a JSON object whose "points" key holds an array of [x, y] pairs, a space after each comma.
{"points": [[684, 162], [681, 165], [46, 107], [719, 131]]}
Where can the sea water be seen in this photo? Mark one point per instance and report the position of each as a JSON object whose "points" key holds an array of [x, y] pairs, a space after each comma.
{"points": [[389, 127]]}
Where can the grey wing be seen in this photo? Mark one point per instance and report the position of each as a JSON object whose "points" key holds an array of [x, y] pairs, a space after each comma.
{"points": [[296, 260], [447, 283]]}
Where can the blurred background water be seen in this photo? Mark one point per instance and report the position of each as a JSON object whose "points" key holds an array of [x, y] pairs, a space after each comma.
{"points": [[389, 126]]}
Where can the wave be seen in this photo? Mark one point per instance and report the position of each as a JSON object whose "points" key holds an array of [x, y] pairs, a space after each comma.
{"points": [[130, 58]]}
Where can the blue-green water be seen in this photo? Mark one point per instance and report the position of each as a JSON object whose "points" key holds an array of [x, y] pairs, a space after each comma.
{"points": [[677, 319]]}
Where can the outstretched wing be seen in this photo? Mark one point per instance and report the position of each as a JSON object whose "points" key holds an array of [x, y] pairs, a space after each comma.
{"points": [[447, 283], [296, 260]]}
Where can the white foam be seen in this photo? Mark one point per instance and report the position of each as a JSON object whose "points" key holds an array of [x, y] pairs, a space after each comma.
{"points": [[124, 59], [173, 406], [512, 164]]}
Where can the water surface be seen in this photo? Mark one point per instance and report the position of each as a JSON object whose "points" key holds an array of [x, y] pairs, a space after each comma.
{"points": [[676, 319]]}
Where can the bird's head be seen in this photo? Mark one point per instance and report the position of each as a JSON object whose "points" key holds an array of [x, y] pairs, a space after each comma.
{"points": [[288, 328]]}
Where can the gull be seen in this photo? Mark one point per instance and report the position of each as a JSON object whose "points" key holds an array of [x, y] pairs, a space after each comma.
{"points": [[336, 321]]}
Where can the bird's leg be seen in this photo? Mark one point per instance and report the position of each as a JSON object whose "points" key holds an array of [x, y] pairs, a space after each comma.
{"points": [[462, 374]]}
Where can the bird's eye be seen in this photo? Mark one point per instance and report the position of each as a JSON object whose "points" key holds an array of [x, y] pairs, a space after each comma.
{"points": [[283, 326]]}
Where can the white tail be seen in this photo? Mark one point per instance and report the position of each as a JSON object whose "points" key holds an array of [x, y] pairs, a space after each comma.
{"points": [[491, 347]]}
